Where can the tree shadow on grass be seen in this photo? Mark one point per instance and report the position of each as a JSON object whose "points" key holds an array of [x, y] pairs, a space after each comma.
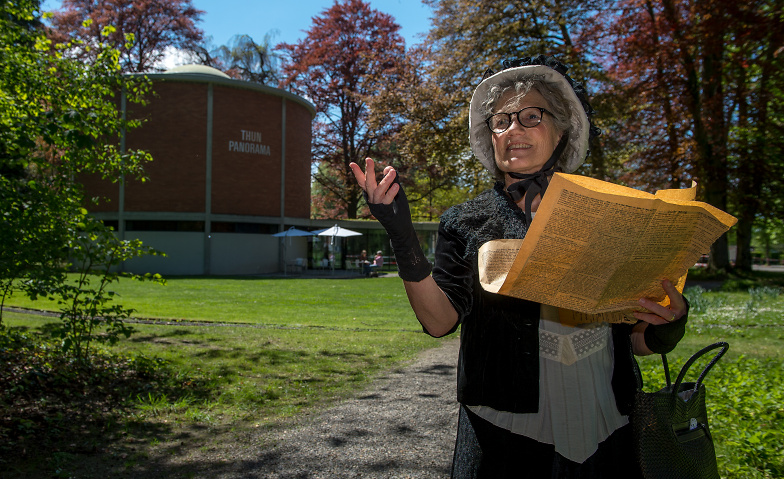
{"points": [[161, 334], [271, 356]]}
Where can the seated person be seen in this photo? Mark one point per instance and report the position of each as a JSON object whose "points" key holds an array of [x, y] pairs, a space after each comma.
{"points": [[363, 263], [378, 262]]}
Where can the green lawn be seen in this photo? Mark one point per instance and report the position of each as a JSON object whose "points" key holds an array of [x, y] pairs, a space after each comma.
{"points": [[368, 303], [291, 343], [259, 372]]}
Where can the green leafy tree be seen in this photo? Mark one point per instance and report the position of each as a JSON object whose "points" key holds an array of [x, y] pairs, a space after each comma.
{"points": [[244, 59], [769, 239], [59, 119], [87, 311], [756, 84]]}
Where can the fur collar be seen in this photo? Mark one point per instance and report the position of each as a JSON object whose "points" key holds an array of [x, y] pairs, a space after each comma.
{"points": [[491, 215]]}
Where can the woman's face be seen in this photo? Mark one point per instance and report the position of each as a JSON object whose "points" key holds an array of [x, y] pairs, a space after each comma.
{"points": [[520, 149]]}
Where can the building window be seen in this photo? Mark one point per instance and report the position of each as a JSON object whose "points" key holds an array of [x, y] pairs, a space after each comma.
{"points": [[246, 228], [154, 225], [113, 224]]}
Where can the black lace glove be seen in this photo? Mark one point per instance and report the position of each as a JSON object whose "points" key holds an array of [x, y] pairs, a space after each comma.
{"points": [[412, 264], [662, 338]]}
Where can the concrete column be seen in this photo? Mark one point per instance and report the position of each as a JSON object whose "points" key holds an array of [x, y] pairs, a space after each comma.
{"points": [[121, 199], [208, 184], [283, 164]]}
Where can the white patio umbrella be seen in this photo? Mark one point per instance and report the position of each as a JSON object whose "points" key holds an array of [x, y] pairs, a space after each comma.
{"points": [[289, 233], [337, 232]]}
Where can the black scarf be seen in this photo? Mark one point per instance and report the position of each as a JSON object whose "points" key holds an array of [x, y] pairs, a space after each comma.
{"points": [[533, 184]]}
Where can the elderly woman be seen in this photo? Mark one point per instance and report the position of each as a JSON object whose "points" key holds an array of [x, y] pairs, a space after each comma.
{"points": [[537, 398]]}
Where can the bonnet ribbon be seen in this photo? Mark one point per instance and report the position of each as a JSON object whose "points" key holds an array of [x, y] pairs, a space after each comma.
{"points": [[533, 184]]}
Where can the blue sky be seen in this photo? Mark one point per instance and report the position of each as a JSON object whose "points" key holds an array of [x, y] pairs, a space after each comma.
{"points": [[226, 18]]}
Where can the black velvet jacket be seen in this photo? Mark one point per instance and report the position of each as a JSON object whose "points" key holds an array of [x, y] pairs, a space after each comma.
{"points": [[499, 350]]}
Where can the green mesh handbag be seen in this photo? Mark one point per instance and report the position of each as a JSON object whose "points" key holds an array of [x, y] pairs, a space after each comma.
{"points": [[672, 438]]}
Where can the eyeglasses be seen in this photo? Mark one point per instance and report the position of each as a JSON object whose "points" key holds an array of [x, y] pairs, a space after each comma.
{"points": [[528, 117]]}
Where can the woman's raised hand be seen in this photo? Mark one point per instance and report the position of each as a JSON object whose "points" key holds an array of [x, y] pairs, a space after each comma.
{"points": [[388, 204], [384, 191]]}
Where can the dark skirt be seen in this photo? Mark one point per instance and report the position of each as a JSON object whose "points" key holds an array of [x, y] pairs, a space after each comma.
{"points": [[486, 451]]}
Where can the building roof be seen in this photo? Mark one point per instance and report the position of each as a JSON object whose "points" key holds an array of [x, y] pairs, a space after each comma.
{"points": [[205, 74], [197, 69]]}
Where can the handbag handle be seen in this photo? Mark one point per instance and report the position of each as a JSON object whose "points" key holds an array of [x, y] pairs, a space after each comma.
{"points": [[666, 370], [721, 344]]}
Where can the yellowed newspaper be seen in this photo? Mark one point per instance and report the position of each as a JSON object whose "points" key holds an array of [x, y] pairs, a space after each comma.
{"points": [[595, 248]]}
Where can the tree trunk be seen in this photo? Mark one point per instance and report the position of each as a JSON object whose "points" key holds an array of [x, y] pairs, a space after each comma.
{"points": [[743, 231], [352, 205], [745, 215], [705, 102], [669, 115]]}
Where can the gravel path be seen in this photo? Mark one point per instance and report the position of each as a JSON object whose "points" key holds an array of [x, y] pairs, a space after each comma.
{"points": [[402, 426]]}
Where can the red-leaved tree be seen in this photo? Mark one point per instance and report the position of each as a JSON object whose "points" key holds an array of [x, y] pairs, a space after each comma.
{"points": [[703, 77], [351, 54], [157, 27]]}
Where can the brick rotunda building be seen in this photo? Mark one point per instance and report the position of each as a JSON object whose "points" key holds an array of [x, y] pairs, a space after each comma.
{"points": [[231, 166]]}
